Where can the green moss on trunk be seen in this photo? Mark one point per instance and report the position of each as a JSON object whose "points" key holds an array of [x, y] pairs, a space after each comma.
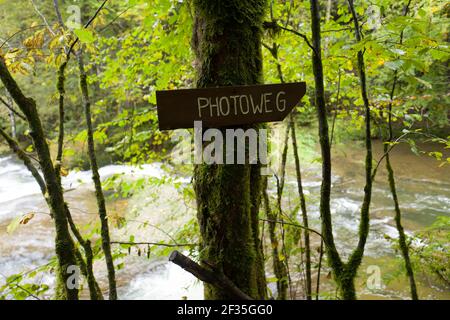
{"points": [[64, 246], [227, 43]]}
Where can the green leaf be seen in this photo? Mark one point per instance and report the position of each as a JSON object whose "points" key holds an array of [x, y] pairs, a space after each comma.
{"points": [[394, 65], [13, 225], [84, 35], [425, 83]]}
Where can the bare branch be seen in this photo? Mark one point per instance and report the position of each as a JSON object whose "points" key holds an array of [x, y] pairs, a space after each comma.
{"points": [[169, 245], [86, 26], [14, 146], [42, 17], [18, 32], [11, 108], [211, 276]]}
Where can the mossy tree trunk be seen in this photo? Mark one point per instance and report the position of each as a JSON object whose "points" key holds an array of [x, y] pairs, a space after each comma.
{"points": [[324, 139], [344, 272], [404, 248], [227, 44], [402, 241], [301, 194], [101, 203], [65, 249]]}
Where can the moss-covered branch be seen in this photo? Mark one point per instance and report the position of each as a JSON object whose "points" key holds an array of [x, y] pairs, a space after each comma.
{"points": [[357, 255], [11, 108], [324, 139], [14, 146], [65, 250], [304, 212], [208, 275], [404, 248], [106, 246]]}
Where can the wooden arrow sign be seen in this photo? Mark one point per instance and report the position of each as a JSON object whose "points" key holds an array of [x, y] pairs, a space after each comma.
{"points": [[227, 106]]}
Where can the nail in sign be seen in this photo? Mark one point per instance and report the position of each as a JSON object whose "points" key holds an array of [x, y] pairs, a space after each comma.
{"points": [[227, 106]]}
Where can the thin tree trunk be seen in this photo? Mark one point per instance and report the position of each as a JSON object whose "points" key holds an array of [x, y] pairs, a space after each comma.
{"points": [[319, 268], [357, 255], [228, 196], [61, 90], [64, 246], [392, 185], [285, 279], [106, 246], [291, 127], [86, 266], [344, 273], [281, 269], [303, 210], [324, 139], [401, 233]]}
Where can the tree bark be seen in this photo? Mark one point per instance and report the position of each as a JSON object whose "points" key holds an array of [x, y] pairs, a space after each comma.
{"points": [[357, 255], [106, 246], [404, 249], [303, 210], [212, 277], [65, 250], [392, 185], [324, 139], [227, 44]]}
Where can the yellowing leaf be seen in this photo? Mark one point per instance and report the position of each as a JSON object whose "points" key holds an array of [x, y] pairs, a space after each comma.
{"points": [[26, 218], [64, 172], [16, 222]]}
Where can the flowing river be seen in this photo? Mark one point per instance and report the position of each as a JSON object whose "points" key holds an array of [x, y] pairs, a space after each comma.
{"points": [[423, 188]]}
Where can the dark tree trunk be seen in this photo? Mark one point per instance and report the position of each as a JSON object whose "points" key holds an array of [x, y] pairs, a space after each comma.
{"points": [[401, 233], [65, 250], [305, 222], [101, 203], [325, 191], [227, 44], [392, 185]]}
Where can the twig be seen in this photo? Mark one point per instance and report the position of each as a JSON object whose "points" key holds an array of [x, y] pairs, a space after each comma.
{"points": [[20, 31], [85, 26], [7, 105], [42, 17], [293, 224], [169, 245], [211, 276], [25, 159], [114, 20], [27, 291], [300, 35], [374, 173]]}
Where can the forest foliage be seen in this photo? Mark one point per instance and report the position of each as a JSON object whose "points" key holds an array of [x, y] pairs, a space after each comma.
{"points": [[135, 47]]}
